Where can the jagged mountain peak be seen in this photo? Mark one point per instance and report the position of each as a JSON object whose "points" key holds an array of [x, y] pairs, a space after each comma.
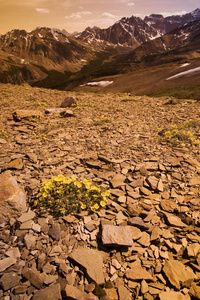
{"points": [[196, 13], [133, 31]]}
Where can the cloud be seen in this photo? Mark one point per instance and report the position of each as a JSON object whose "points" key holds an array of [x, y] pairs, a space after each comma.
{"points": [[166, 14], [130, 4], [79, 15], [42, 10], [108, 15]]}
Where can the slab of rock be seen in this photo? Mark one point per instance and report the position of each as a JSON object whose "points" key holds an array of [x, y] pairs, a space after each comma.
{"points": [[9, 280], [155, 234], [68, 102], [116, 235], [111, 293], [34, 277], [18, 115], [172, 295], [160, 187], [136, 233], [54, 232], [50, 279], [151, 166], [138, 273], [30, 215], [12, 198], [118, 180], [51, 293], [174, 220], [193, 249], [29, 240], [138, 222], [6, 263], [195, 180], [74, 293], [168, 205], [16, 164], [59, 111], [13, 253], [145, 239], [124, 294], [54, 111], [67, 113], [195, 290], [153, 182], [92, 261], [177, 273]]}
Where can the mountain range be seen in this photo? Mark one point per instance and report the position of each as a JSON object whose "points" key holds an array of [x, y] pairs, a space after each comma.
{"points": [[134, 31], [52, 58]]}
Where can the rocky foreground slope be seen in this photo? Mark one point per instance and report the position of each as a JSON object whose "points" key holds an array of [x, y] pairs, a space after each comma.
{"points": [[145, 243]]}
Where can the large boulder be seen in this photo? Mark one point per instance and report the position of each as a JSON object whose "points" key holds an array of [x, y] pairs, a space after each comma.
{"points": [[68, 102], [12, 198]]}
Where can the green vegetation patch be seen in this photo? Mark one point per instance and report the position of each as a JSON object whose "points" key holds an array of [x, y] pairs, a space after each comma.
{"points": [[175, 135], [194, 123], [64, 195], [103, 120], [187, 92]]}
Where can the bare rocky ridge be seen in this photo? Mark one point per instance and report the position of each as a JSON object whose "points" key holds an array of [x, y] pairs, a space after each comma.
{"points": [[135, 31], [153, 213]]}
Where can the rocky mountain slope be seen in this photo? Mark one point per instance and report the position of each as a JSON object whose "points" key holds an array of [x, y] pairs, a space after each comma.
{"points": [[178, 45], [144, 244], [135, 31], [51, 58], [146, 69]]}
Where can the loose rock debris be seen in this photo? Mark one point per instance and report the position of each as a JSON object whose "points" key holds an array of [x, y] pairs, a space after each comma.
{"points": [[144, 244]]}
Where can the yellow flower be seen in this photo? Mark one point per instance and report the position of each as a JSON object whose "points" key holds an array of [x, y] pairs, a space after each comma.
{"points": [[87, 184], [44, 195], [35, 203], [96, 206], [83, 206], [95, 188], [78, 184], [105, 194], [92, 208], [103, 203]]}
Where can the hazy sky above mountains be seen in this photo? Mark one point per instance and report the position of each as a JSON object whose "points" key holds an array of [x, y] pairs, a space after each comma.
{"points": [[76, 15]]}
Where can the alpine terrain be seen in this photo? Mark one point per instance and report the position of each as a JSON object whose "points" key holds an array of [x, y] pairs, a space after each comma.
{"points": [[100, 161]]}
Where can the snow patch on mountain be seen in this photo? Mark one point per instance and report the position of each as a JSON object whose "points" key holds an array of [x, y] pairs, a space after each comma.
{"points": [[185, 65], [191, 71], [98, 83]]}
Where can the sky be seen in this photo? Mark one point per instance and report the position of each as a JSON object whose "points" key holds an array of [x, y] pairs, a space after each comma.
{"points": [[76, 15]]}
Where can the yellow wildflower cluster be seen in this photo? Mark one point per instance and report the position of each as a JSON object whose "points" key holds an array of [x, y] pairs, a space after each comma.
{"points": [[3, 134], [192, 123], [102, 120], [63, 195], [175, 135], [42, 136]]}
